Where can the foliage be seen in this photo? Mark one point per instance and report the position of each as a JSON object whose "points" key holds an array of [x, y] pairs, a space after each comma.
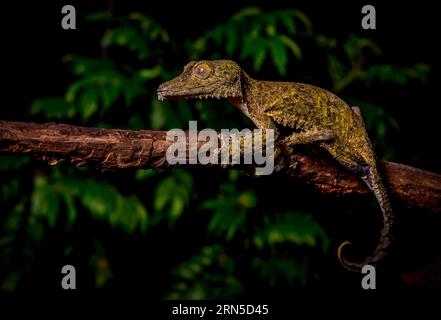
{"points": [[253, 34], [294, 227], [100, 199], [172, 195], [206, 275], [38, 201]]}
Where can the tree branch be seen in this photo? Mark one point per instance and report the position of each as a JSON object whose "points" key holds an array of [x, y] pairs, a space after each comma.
{"points": [[119, 149]]}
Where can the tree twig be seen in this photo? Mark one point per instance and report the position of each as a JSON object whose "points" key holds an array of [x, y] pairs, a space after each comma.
{"points": [[119, 149]]}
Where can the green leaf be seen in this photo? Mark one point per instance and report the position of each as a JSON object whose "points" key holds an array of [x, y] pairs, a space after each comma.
{"points": [[280, 270], [71, 210], [229, 210], [53, 108], [158, 114], [246, 13], [232, 39], [45, 201], [171, 196], [9, 162], [141, 213], [325, 41], [355, 46], [109, 95], [288, 22], [279, 55], [132, 88], [88, 103], [259, 51], [14, 219], [336, 69], [247, 199], [208, 274], [303, 18], [74, 89], [177, 206], [292, 45], [144, 174], [125, 36], [148, 74], [11, 281], [293, 227], [103, 201], [395, 74], [99, 16], [162, 194], [217, 34]]}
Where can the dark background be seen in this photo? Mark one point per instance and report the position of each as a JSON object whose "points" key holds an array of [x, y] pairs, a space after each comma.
{"points": [[33, 44]]}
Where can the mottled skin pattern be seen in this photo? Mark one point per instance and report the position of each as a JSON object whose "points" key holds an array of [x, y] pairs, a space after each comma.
{"points": [[299, 114]]}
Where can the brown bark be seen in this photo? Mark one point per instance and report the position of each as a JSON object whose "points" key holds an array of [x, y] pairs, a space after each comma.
{"points": [[119, 149]]}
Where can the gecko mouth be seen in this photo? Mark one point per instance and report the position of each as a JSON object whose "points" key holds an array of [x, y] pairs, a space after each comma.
{"points": [[167, 94]]}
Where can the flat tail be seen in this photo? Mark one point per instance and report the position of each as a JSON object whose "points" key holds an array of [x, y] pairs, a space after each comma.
{"points": [[373, 180]]}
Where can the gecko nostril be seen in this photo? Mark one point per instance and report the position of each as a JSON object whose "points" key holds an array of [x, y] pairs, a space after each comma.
{"points": [[162, 87]]}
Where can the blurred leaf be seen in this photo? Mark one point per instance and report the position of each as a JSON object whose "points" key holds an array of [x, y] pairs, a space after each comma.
{"points": [[9, 162], [337, 71], [206, 275], [247, 199], [259, 54], [101, 84], [101, 264], [325, 41], [158, 114], [45, 202], [144, 174], [88, 103], [246, 13], [232, 40], [71, 210], [151, 28], [278, 269], [303, 18], [127, 37], [279, 55], [288, 22], [152, 73], [229, 210], [9, 189], [258, 32], [172, 195], [395, 74], [53, 108], [10, 283], [98, 16], [293, 227], [103, 201], [354, 48], [295, 49]]}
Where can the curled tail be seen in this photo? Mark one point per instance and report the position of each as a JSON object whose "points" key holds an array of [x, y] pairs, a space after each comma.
{"points": [[374, 182]]}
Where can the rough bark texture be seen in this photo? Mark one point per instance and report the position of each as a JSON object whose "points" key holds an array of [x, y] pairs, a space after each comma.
{"points": [[119, 149]]}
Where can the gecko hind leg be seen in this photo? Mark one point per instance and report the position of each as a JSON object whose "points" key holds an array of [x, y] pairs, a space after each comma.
{"points": [[282, 161], [370, 176]]}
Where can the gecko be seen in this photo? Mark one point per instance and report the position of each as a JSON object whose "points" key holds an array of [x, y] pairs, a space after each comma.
{"points": [[299, 114]]}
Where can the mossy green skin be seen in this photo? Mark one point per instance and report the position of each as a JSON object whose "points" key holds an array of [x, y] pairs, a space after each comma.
{"points": [[310, 115]]}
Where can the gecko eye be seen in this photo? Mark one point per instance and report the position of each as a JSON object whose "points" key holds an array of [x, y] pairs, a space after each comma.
{"points": [[203, 70]]}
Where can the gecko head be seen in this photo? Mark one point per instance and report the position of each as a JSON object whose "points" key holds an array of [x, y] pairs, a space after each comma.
{"points": [[205, 79]]}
